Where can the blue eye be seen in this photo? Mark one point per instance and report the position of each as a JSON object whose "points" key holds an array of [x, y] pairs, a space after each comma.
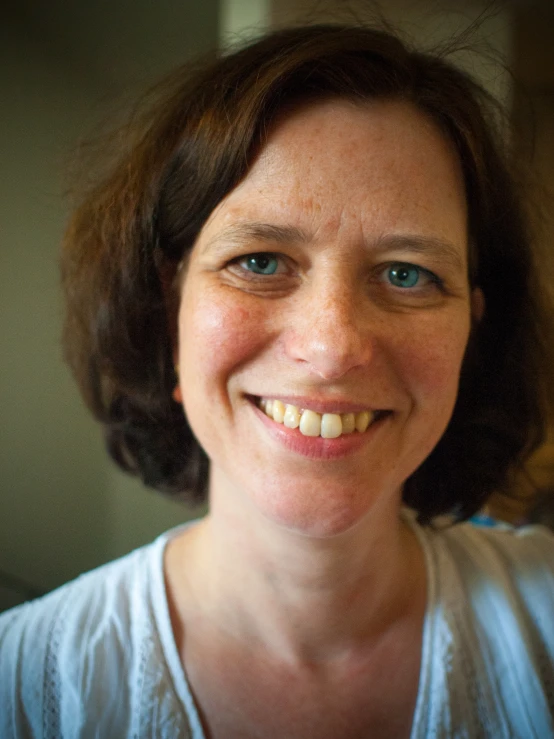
{"points": [[404, 275], [261, 264]]}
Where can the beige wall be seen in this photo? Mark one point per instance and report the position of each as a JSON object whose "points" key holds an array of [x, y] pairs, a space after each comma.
{"points": [[53, 479], [64, 508]]}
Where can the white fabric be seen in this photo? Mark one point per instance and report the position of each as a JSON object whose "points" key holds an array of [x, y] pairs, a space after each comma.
{"points": [[97, 658]]}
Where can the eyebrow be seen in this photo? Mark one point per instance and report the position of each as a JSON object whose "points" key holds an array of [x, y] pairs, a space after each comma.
{"points": [[437, 248], [244, 233]]}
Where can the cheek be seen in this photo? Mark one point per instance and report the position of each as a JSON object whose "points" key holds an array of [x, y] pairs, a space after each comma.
{"points": [[217, 334], [432, 360], [430, 371]]}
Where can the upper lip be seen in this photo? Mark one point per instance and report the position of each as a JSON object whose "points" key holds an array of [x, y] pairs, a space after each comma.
{"points": [[318, 404]]}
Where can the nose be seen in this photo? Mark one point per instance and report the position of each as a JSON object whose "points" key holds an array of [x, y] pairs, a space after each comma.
{"points": [[330, 331]]}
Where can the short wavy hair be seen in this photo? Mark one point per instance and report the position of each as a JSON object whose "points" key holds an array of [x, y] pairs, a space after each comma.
{"points": [[188, 149]]}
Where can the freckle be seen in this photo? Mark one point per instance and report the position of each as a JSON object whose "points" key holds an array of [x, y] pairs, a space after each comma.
{"points": [[242, 314]]}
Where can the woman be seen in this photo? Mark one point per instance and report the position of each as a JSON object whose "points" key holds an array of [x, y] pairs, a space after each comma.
{"points": [[314, 248]]}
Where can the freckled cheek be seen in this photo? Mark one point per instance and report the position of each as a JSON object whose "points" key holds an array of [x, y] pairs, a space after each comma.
{"points": [[217, 337], [431, 363]]}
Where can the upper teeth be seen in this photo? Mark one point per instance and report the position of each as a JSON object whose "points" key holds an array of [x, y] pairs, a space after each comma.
{"points": [[310, 423]]}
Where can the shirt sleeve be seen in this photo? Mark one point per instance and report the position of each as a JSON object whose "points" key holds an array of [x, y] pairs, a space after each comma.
{"points": [[24, 636], [63, 663], [72, 662], [509, 580], [534, 571]]}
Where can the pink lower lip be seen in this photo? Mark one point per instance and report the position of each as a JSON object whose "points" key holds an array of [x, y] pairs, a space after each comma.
{"points": [[315, 447]]}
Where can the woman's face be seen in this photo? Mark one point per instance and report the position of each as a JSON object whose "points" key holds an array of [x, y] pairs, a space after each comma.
{"points": [[332, 279]]}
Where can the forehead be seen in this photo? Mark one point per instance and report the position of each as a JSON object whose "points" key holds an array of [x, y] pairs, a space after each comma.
{"points": [[333, 165]]}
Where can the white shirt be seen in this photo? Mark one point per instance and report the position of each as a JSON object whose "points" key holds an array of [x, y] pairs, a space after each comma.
{"points": [[97, 657]]}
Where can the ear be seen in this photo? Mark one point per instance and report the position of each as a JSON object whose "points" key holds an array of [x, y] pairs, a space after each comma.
{"points": [[177, 395], [477, 304]]}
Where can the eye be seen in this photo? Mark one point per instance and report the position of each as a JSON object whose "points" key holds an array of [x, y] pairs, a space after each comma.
{"points": [[269, 273], [263, 263], [404, 275]]}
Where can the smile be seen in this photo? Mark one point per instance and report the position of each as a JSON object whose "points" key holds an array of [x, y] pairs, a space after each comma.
{"points": [[311, 423]]}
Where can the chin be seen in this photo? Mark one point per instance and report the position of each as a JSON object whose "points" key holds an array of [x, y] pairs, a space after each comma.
{"points": [[320, 518]]}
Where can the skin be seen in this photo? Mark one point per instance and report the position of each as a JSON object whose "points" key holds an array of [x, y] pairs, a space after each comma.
{"points": [[337, 570]]}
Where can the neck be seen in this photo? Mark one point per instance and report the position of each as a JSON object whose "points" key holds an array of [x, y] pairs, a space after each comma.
{"points": [[302, 597]]}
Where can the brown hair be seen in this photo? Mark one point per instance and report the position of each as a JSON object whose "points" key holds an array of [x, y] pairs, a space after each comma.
{"points": [[188, 150]]}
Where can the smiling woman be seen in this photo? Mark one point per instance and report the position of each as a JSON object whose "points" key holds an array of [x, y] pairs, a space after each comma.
{"points": [[321, 232]]}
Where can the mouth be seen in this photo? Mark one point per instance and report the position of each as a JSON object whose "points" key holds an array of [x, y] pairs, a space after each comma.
{"points": [[313, 424]]}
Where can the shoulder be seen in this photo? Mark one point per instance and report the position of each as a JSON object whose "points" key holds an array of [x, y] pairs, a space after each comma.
{"points": [[500, 568], [85, 604], [53, 647], [520, 557], [494, 608]]}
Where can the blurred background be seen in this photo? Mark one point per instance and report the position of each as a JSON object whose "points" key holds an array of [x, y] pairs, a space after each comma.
{"points": [[65, 67]]}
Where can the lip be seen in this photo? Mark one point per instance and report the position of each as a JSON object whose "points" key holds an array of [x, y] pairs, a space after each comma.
{"points": [[315, 404], [316, 447]]}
